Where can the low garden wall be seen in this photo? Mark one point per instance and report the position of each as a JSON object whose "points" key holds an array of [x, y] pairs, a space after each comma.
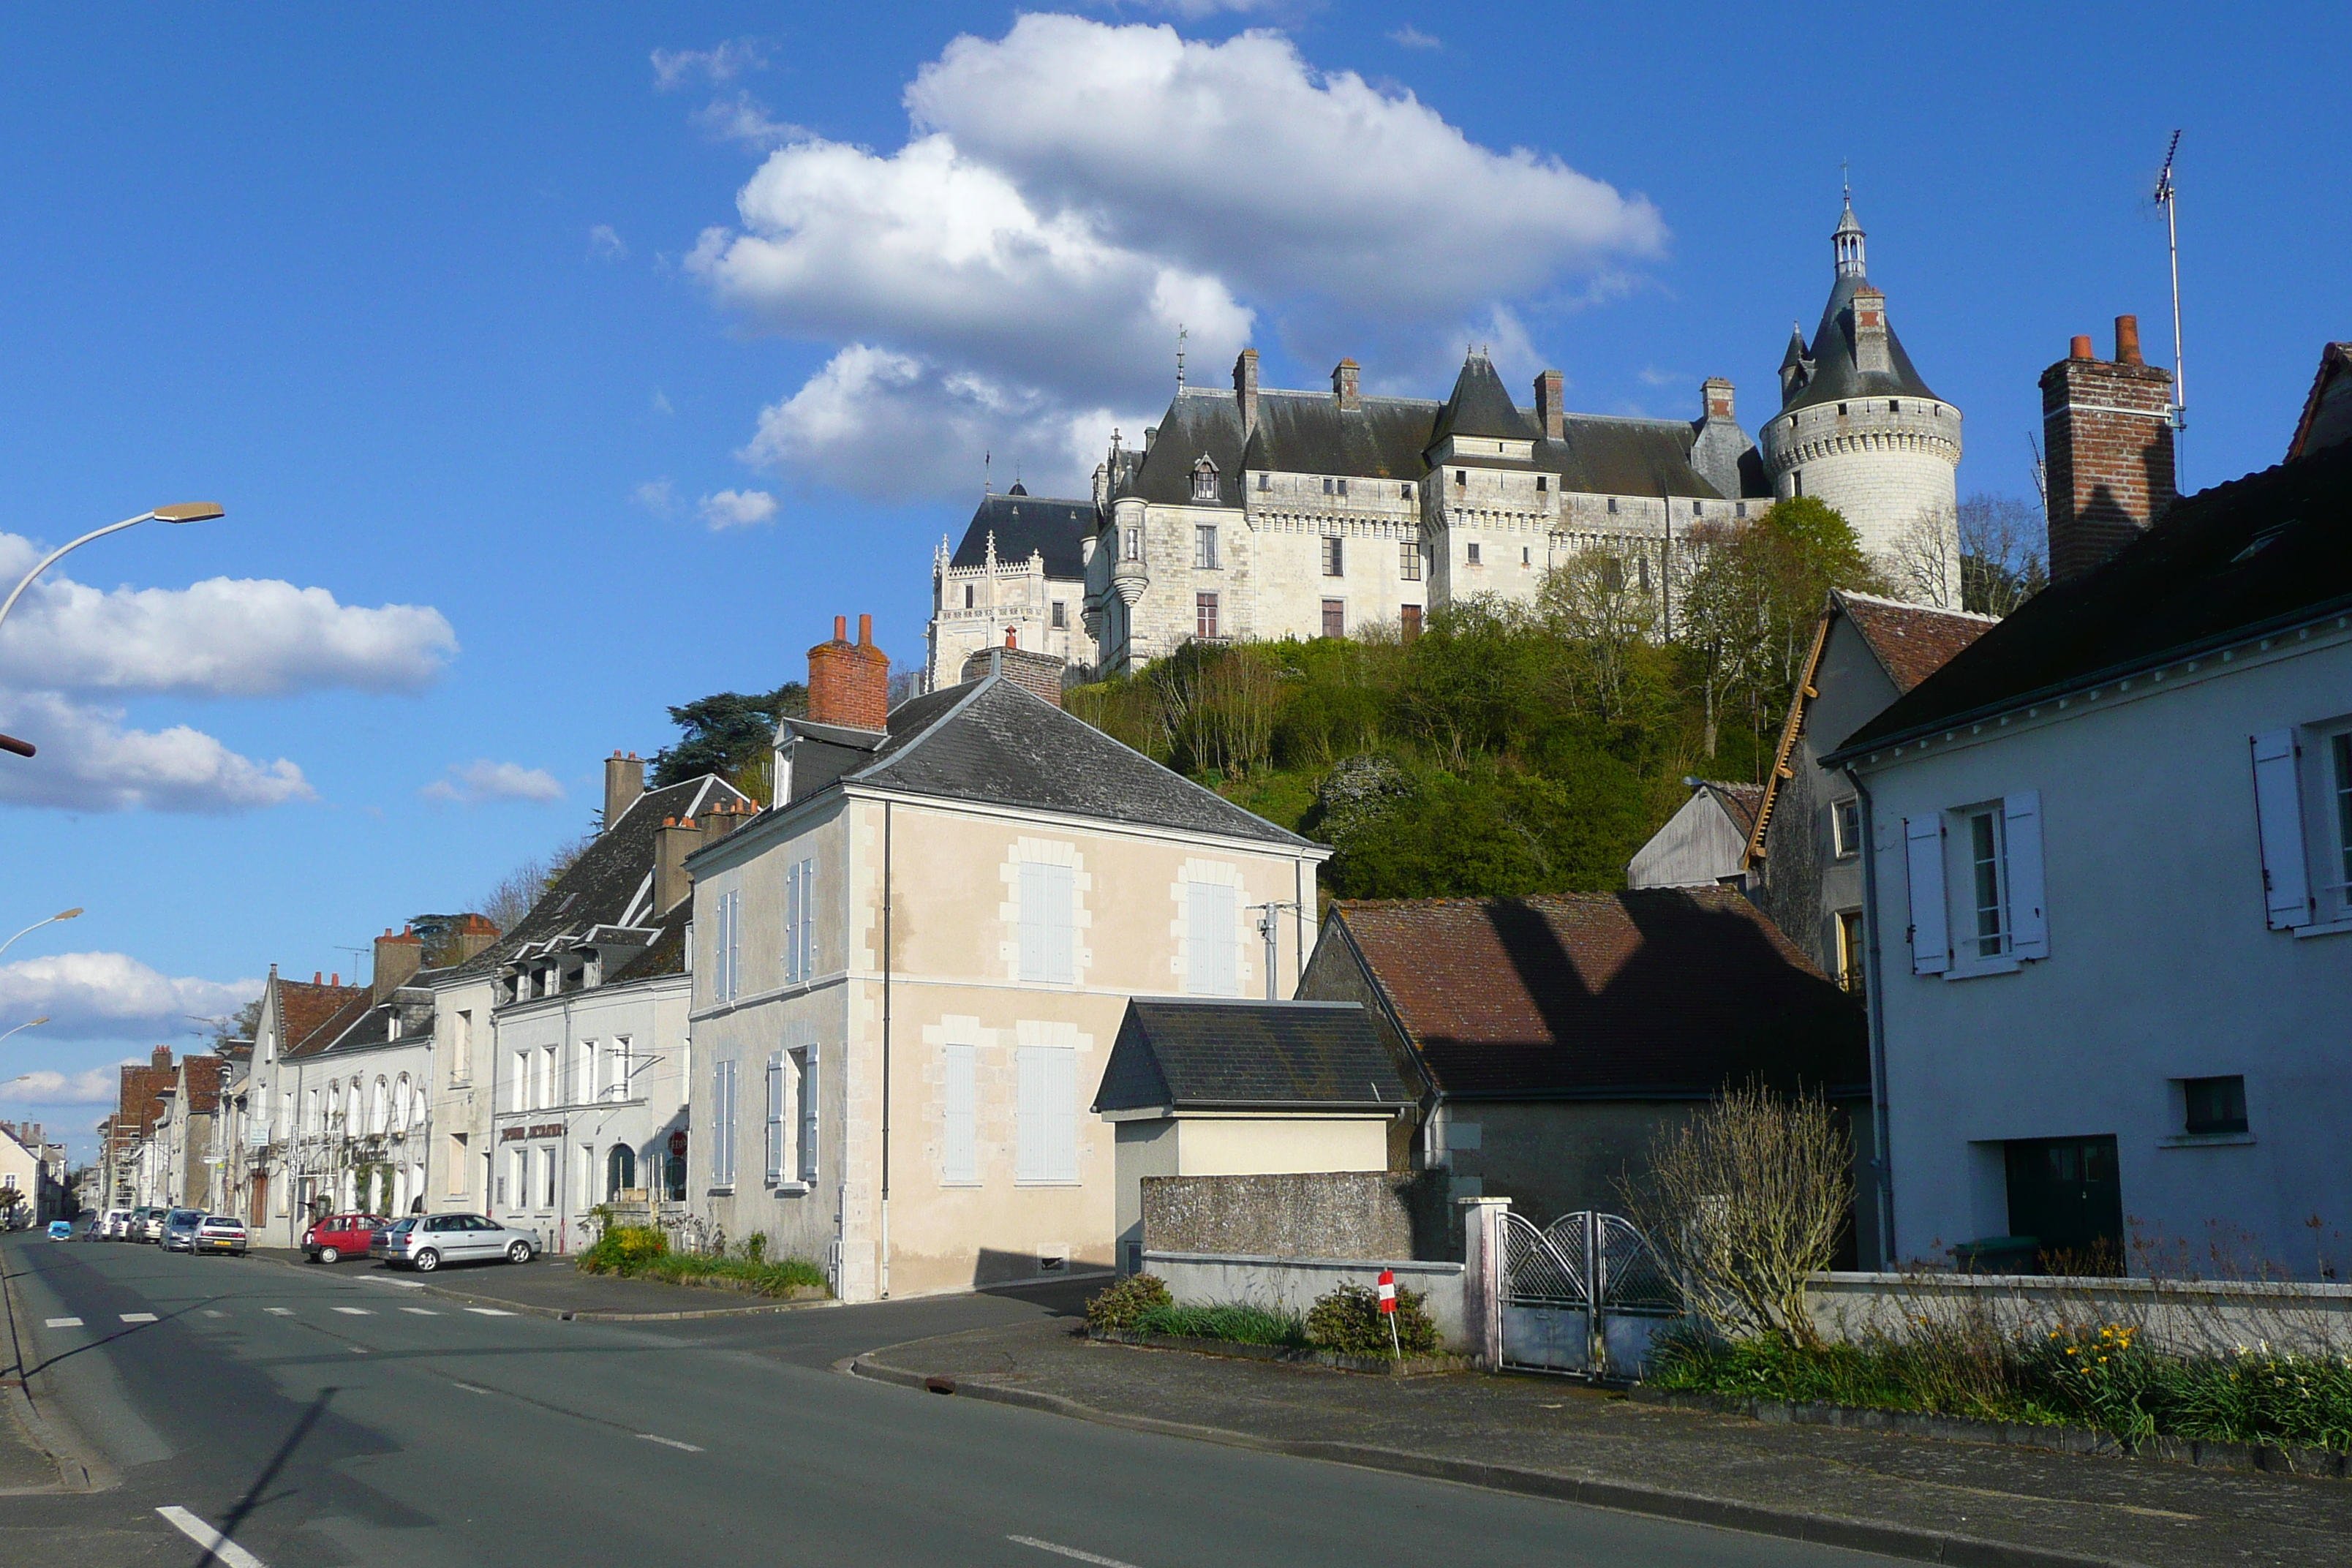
{"points": [[1324, 1214], [1292, 1284], [2187, 1316]]}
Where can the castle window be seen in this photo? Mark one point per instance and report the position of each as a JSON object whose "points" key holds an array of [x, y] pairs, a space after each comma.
{"points": [[1327, 484], [1204, 479], [1893, 407], [1740, 510], [1061, 616], [1527, 555], [1612, 506], [1694, 508], [1204, 548], [1264, 482], [1542, 484], [1334, 556], [1205, 615], [1130, 542], [1404, 492], [1343, 487], [1472, 557], [1841, 410], [1461, 478], [1335, 617], [1409, 561], [1612, 574], [967, 596]]}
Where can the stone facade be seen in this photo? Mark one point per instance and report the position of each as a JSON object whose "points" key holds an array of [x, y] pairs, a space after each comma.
{"points": [[2108, 424], [1017, 580]]}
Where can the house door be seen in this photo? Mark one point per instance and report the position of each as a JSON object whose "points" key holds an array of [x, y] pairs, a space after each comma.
{"points": [[2066, 1195], [260, 1199]]}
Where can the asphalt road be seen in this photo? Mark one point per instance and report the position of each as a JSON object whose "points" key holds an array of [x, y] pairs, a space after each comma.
{"points": [[329, 1417]]}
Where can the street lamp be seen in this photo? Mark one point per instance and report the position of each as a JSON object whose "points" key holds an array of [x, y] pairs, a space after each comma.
{"points": [[27, 1024], [184, 512], [60, 915]]}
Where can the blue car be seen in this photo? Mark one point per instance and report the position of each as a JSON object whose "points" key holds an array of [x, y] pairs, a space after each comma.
{"points": [[61, 1230]]}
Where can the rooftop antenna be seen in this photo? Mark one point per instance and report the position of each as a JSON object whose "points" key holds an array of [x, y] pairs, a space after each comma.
{"points": [[1181, 335], [2041, 474], [987, 473], [1845, 182], [2167, 198]]}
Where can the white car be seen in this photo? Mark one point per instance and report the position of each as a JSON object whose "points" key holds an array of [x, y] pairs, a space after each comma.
{"points": [[425, 1241]]}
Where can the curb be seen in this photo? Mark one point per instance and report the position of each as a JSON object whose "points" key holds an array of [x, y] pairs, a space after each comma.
{"points": [[1621, 1497], [587, 1314], [2321, 1463]]}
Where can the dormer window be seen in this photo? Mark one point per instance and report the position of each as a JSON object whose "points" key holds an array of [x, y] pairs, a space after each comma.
{"points": [[1613, 504], [1204, 479], [1543, 483], [1404, 492]]}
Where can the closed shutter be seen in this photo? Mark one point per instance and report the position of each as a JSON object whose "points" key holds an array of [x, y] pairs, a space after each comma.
{"points": [[808, 1114], [1047, 949], [1210, 971], [959, 1156], [2278, 820], [2029, 923], [808, 921], [776, 1117], [1061, 1114], [1032, 921], [792, 924], [720, 941], [1029, 1160], [1931, 944], [734, 945]]}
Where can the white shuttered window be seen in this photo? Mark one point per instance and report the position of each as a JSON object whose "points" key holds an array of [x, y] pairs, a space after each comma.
{"points": [[1048, 1114], [804, 1092], [800, 922], [2029, 923], [958, 1141], [723, 1124], [775, 1126], [1923, 843], [2278, 817], [1209, 968], [1047, 915]]}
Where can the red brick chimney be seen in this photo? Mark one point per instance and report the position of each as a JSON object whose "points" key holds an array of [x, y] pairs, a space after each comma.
{"points": [[473, 933], [396, 958], [849, 682], [2109, 426], [1551, 410]]}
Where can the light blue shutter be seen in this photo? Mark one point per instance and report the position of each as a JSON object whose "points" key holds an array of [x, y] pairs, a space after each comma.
{"points": [[717, 1135], [1061, 896], [792, 925], [734, 945], [1029, 1129], [2278, 823], [808, 1114], [1931, 942], [1032, 921], [1210, 971], [1062, 1113], [958, 1157], [775, 1117], [808, 919], [2029, 923]]}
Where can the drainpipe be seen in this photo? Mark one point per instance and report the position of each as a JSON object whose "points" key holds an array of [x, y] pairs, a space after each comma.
{"points": [[1874, 1007], [885, 1281]]}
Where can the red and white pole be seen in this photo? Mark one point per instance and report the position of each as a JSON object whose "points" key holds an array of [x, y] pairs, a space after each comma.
{"points": [[1387, 1309]]}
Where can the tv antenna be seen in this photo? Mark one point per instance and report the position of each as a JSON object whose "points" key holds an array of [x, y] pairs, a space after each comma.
{"points": [[1182, 333], [2168, 199]]}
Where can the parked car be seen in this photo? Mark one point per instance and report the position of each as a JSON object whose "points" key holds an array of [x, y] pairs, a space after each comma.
{"points": [[339, 1236], [96, 1229], [61, 1230], [179, 1230], [424, 1242], [146, 1224], [113, 1223], [220, 1232]]}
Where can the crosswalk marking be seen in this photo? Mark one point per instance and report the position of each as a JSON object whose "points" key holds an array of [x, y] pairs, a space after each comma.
{"points": [[138, 1317], [491, 1312], [355, 1311], [422, 1312], [222, 1551], [210, 1313], [280, 1312], [63, 1323]]}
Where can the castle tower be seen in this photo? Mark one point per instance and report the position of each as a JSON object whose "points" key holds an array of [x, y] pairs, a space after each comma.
{"points": [[1861, 431]]}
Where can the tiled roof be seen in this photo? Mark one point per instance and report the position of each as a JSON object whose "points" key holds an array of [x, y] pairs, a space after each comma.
{"points": [[1024, 525], [204, 1082], [2269, 550], [1655, 992], [311, 1016], [1912, 642], [1740, 802], [1267, 1056], [141, 1103], [2328, 409]]}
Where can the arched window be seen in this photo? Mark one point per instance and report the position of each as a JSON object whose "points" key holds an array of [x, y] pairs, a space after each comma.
{"points": [[403, 1104], [620, 1169], [378, 1105], [351, 1110]]}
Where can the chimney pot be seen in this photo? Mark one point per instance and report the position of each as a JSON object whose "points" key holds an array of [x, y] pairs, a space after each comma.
{"points": [[336, 978], [317, 977], [2108, 471], [841, 628], [2080, 347], [849, 683], [2127, 340], [865, 631]]}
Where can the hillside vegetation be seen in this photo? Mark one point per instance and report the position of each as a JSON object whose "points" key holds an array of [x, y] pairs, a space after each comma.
{"points": [[1509, 748]]}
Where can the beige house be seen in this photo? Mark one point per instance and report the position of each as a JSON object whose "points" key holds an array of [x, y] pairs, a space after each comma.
{"points": [[908, 974]]}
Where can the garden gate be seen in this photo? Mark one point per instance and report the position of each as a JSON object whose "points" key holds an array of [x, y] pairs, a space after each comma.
{"points": [[1582, 1295]]}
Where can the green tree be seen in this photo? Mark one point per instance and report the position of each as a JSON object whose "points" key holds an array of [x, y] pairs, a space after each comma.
{"points": [[729, 733]]}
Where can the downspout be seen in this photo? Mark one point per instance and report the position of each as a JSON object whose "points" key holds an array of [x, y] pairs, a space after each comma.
{"points": [[885, 1051], [1874, 1005]]}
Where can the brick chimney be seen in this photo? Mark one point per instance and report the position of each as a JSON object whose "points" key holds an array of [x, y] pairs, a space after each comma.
{"points": [[1551, 412], [1346, 385], [624, 780], [1870, 342], [1246, 392], [396, 958], [1714, 398], [472, 934], [849, 682], [1035, 672], [2108, 427], [161, 1059], [673, 842]]}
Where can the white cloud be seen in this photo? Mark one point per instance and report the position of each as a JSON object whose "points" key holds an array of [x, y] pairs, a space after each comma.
{"points": [[222, 637], [89, 761], [96, 1086], [676, 67], [1074, 192], [482, 780], [737, 509], [605, 244], [660, 403], [1412, 37], [110, 995], [745, 119], [655, 496]]}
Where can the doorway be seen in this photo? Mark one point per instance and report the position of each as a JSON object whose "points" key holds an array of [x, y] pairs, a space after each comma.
{"points": [[2067, 1194]]}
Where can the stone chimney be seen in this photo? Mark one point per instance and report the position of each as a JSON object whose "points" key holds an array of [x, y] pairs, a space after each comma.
{"points": [[472, 934], [1035, 672], [396, 958], [673, 842], [1246, 392], [724, 818], [624, 780], [849, 682], [2107, 425], [161, 1059], [1715, 399], [1347, 384], [1870, 342], [1551, 412]]}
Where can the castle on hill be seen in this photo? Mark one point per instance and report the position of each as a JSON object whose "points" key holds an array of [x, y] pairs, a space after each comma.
{"points": [[1263, 512]]}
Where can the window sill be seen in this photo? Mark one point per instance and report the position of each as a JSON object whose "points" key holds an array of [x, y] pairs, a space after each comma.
{"points": [[2205, 1140], [963, 1184], [726, 1192], [1048, 1182], [789, 1189], [2326, 928], [1980, 970]]}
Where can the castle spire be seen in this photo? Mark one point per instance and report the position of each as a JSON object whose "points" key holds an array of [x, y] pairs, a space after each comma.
{"points": [[1846, 243]]}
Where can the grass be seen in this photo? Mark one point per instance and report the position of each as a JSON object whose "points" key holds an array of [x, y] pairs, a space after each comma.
{"points": [[2101, 1377], [1238, 1322], [635, 1253]]}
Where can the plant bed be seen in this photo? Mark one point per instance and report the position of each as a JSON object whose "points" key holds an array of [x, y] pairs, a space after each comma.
{"points": [[636, 1252], [1297, 1355], [2049, 1436]]}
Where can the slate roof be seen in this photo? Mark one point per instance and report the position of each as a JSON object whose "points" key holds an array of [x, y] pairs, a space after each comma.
{"points": [[2261, 553], [1479, 405], [1834, 373], [372, 1026], [1646, 994], [1193, 1053], [667, 953], [1025, 524]]}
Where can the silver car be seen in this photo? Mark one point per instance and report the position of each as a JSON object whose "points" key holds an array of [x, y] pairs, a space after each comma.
{"points": [[425, 1241]]}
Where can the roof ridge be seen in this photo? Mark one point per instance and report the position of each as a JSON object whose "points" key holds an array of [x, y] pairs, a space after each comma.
{"points": [[1858, 594], [927, 731]]}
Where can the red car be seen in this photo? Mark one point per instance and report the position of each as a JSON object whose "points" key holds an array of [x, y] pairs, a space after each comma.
{"points": [[339, 1236]]}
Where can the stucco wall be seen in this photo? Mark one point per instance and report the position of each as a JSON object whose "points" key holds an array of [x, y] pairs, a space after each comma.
{"points": [[1293, 1284], [1352, 1214]]}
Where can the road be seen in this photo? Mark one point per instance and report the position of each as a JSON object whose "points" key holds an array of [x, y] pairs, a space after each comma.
{"points": [[330, 1417]]}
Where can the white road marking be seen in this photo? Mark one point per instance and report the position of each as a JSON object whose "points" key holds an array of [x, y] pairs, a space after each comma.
{"points": [[138, 1317], [280, 1312], [63, 1323], [225, 1552], [491, 1311], [469, 1387], [670, 1443], [422, 1312], [1068, 1552], [210, 1313], [355, 1311], [399, 1284]]}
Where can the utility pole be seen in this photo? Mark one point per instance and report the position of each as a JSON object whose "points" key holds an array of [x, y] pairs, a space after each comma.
{"points": [[1267, 925]]}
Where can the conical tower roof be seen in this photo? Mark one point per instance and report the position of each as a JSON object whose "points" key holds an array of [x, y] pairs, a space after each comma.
{"points": [[1480, 405], [1835, 374]]}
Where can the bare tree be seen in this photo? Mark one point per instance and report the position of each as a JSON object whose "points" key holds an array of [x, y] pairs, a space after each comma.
{"points": [[1924, 563], [506, 904], [1607, 609], [1745, 1201], [2003, 559]]}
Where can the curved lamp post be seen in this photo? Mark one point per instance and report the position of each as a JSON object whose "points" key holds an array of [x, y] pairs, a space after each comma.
{"points": [[184, 511], [60, 915], [27, 1024]]}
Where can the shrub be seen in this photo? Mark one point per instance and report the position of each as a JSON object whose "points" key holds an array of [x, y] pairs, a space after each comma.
{"points": [[1239, 1322], [1347, 1319], [1120, 1307], [624, 1249]]}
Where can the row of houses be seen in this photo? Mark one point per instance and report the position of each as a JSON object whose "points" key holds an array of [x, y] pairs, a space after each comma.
{"points": [[32, 1176]]}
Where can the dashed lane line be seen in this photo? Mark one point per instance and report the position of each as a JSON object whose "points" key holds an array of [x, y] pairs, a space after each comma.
{"points": [[62, 1323], [280, 1312], [356, 1311], [1069, 1552], [491, 1311], [421, 1312], [222, 1551], [671, 1442], [210, 1313], [138, 1317]]}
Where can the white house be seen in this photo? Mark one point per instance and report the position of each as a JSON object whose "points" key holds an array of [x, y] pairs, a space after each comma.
{"points": [[2109, 850]]}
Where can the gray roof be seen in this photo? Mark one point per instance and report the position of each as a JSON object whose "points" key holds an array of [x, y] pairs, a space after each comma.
{"points": [[1833, 374], [1194, 1053], [1025, 525], [1479, 407]]}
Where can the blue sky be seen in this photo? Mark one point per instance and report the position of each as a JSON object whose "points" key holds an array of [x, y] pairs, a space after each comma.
{"points": [[556, 365]]}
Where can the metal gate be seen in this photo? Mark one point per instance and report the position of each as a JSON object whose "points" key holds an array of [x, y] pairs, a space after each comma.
{"points": [[1582, 1295]]}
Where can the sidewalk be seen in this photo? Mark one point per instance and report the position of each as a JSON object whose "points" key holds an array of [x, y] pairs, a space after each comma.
{"points": [[552, 1288], [1906, 1497]]}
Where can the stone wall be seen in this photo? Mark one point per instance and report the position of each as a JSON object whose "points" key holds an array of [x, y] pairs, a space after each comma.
{"points": [[1335, 1214]]}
